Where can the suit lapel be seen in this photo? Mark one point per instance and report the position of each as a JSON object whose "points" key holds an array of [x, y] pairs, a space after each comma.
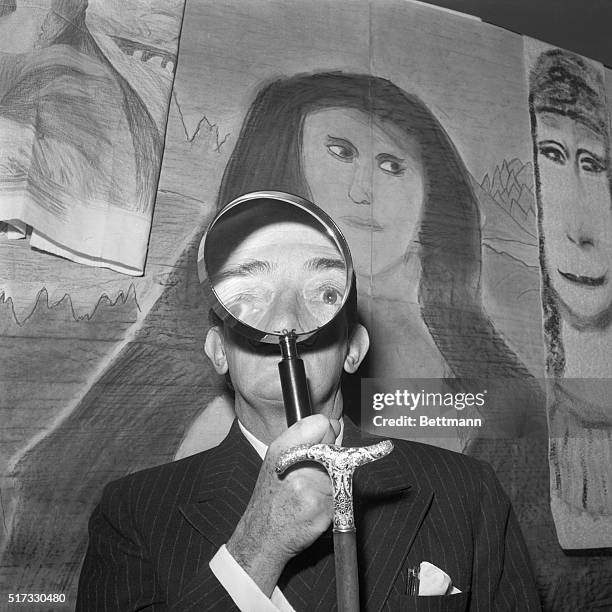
{"points": [[225, 488]]}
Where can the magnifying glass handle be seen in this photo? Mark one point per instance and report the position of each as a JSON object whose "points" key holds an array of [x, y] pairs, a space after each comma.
{"points": [[293, 381]]}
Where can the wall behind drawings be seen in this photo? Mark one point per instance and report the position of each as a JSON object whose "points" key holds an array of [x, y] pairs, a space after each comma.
{"points": [[107, 374]]}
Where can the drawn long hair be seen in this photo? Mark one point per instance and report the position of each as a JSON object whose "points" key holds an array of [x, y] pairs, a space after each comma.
{"points": [[267, 155], [564, 83]]}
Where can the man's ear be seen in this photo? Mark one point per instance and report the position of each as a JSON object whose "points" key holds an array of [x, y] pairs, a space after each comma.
{"points": [[214, 347], [358, 345]]}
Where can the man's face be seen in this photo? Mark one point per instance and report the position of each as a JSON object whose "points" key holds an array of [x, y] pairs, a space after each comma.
{"points": [[255, 377], [576, 214], [284, 276]]}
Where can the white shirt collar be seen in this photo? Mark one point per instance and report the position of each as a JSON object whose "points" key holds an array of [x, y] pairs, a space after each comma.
{"points": [[262, 449]]}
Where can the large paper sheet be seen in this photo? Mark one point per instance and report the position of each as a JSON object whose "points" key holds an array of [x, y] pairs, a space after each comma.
{"points": [[84, 93]]}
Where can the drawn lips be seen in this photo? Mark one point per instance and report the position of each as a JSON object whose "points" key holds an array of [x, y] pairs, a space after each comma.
{"points": [[362, 223], [585, 281]]}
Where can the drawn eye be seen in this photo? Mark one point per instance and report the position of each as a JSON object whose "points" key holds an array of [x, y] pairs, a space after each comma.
{"points": [[591, 163], [391, 165], [342, 152], [552, 151]]}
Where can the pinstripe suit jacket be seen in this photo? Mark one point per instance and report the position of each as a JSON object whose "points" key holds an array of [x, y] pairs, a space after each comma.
{"points": [[154, 532]]}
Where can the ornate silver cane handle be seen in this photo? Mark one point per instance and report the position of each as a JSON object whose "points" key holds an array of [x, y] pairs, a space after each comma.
{"points": [[340, 463]]}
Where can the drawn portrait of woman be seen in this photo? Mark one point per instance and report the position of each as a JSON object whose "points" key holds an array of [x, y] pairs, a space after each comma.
{"points": [[572, 151], [377, 160]]}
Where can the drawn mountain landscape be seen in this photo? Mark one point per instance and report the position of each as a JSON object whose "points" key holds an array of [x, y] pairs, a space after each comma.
{"points": [[510, 275], [52, 348], [509, 211]]}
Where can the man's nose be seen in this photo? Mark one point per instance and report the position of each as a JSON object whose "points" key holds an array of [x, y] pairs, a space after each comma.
{"points": [[360, 189], [287, 311]]}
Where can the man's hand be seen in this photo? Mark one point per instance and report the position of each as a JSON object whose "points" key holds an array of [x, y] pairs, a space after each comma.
{"points": [[286, 514]]}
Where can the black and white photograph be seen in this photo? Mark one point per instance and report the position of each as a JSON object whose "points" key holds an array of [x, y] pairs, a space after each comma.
{"points": [[305, 305]]}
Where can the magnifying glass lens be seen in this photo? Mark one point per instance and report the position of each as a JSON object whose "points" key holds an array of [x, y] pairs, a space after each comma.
{"points": [[276, 268]]}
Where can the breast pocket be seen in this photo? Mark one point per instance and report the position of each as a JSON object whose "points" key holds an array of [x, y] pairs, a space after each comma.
{"points": [[436, 603]]}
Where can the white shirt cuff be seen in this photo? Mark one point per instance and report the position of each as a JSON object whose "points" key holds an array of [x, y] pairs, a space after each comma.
{"points": [[242, 588]]}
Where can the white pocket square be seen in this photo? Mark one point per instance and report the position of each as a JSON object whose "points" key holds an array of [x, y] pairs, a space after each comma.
{"points": [[433, 581]]}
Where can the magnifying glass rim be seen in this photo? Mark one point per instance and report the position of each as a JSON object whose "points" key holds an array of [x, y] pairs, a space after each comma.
{"points": [[328, 224]]}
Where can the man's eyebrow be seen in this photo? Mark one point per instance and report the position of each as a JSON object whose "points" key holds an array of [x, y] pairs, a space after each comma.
{"points": [[249, 268], [316, 264]]}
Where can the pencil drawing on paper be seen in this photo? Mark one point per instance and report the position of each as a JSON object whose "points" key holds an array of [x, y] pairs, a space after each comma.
{"points": [[571, 141], [82, 118], [378, 161]]}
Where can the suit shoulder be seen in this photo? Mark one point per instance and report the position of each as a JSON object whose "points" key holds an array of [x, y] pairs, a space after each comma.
{"points": [[175, 476], [449, 465]]}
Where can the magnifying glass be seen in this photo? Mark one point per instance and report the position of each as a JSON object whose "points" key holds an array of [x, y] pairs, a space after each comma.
{"points": [[278, 270]]}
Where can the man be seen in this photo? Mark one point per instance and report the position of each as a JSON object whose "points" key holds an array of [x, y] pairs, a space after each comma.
{"points": [[222, 531]]}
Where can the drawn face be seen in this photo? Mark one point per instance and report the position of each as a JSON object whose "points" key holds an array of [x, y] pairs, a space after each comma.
{"points": [[576, 214], [368, 176]]}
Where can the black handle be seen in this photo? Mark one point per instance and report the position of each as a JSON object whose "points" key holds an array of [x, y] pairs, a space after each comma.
{"points": [[295, 389]]}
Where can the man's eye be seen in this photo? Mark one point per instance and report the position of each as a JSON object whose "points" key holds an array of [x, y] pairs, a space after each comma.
{"points": [[341, 152], [552, 152], [330, 296], [326, 295], [592, 164], [392, 166]]}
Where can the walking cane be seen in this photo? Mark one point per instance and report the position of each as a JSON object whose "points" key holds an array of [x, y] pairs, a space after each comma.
{"points": [[340, 464]]}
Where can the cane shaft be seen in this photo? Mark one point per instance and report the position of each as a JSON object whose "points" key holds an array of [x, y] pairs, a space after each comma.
{"points": [[340, 463], [347, 577]]}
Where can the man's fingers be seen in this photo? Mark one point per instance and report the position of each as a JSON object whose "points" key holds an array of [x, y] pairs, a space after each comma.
{"points": [[332, 432], [311, 430]]}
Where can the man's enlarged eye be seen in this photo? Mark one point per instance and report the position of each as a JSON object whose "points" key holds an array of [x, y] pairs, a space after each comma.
{"points": [[552, 151], [323, 293], [330, 296]]}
